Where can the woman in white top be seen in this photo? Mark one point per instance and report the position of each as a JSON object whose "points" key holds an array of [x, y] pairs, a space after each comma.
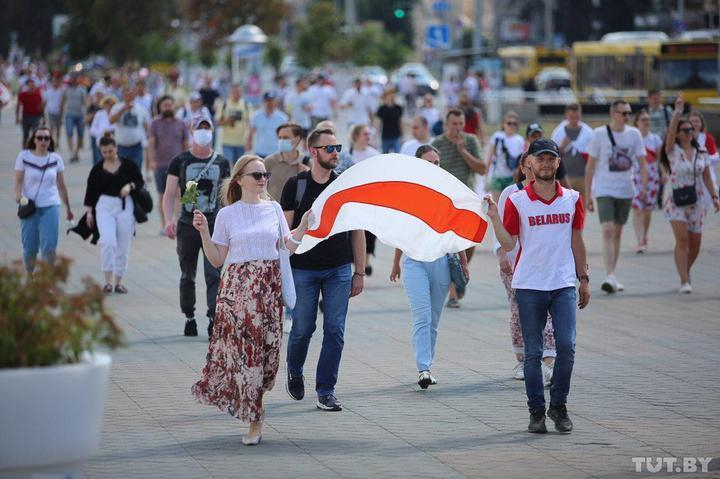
{"points": [[507, 261], [643, 204], [39, 178], [244, 352], [504, 151], [100, 125], [689, 168]]}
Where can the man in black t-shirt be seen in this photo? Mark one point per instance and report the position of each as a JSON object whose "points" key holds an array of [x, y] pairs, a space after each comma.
{"points": [[325, 268], [208, 169]]}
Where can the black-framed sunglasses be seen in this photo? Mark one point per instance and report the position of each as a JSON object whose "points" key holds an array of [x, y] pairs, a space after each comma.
{"points": [[42, 138], [687, 130], [329, 148], [259, 175]]}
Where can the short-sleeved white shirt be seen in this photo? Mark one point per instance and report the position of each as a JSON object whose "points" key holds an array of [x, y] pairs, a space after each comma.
{"points": [[250, 231], [33, 167], [515, 146], [130, 127], [359, 106], [616, 184], [322, 99], [545, 260]]}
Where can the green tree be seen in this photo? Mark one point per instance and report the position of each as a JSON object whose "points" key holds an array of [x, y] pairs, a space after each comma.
{"points": [[274, 53], [320, 39], [383, 11], [373, 45]]}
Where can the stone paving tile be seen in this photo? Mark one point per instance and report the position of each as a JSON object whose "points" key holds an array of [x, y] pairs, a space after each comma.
{"points": [[645, 381]]}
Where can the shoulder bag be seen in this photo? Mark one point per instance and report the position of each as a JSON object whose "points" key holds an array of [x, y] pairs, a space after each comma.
{"points": [[286, 277], [687, 195], [28, 209]]}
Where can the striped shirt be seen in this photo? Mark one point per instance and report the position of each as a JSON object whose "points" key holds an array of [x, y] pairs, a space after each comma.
{"points": [[452, 161]]}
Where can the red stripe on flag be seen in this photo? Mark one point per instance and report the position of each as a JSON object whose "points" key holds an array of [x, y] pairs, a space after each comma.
{"points": [[431, 207]]}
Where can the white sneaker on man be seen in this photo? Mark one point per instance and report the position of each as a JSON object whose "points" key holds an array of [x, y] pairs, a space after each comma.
{"points": [[547, 372], [518, 371], [685, 288]]}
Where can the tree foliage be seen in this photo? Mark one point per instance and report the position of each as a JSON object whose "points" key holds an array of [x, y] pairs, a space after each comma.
{"points": [[372, 45], [274, 53]]}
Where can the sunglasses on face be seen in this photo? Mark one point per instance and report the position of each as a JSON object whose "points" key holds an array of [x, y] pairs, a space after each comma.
{"points": [[686, 130], [259, 175], [329, 148], [624, 113], [511, 123], [42, 138]]}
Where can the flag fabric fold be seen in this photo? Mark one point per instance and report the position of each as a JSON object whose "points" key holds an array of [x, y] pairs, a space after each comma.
{"points": [[406, 202]]}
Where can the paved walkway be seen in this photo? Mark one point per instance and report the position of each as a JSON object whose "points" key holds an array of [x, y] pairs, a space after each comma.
{"points": [[646, 380]]}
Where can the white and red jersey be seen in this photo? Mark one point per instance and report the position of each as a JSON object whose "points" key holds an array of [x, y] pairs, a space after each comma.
{"points": [[545, 261]]}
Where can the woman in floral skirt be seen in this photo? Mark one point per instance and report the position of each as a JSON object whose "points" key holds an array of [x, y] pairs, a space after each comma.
{"points": [[243, 356]]}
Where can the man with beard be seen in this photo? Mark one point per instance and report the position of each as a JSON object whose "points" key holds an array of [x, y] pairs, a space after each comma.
{"points": [[548, 220], [168, 138], [325, 268]]}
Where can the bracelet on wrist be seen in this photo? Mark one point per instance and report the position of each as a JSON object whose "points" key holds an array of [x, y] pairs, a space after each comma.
{"points": [[294, 241], [358, 274]]}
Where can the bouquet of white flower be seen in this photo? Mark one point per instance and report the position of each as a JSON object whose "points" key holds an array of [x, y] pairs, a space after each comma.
{"points": [[191, 194]]}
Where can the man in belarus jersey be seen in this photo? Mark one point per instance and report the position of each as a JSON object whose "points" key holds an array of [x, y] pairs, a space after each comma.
{"points": [[548, 220]]}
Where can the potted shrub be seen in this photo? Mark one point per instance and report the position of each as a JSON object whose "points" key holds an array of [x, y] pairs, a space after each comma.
{"points": [[52, 383]]}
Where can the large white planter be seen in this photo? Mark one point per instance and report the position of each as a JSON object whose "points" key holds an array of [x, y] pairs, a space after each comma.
{"points": [[51, 417]]}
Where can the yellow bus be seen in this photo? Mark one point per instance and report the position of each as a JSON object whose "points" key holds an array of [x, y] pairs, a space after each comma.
{"points": [[615, 69], [690, 68], [522, 63]]}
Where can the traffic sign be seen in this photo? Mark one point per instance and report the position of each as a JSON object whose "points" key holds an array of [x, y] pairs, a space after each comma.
{"points": [[437, 37], [441, 6]]}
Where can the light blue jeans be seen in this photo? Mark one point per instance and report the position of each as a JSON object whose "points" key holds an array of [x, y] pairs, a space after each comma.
{"points": [[426, 285], [40, 233]]}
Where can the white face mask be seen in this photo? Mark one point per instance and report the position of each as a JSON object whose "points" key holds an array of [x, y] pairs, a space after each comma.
{"points": [[202, 137]]}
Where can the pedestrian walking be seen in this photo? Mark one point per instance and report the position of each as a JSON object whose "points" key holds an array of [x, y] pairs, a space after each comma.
{"points": [[504, 150], [39, 181], [325, 268], [234, 117], [101, 125], [642, 205], [207, 169], [659, 113], [299, 105], [688, 165], [287, 162], [390, 114], [547, 220], [573, 137], [358, 104], [426, 285], [507, 261], [75, 101], [132, 127], [707, 141], [110, 207], [421, 136], [31, 104], [262, 137], [244, 353], [53, 105], [168, 139], [473, 118], [613, 150], [324, 100]]}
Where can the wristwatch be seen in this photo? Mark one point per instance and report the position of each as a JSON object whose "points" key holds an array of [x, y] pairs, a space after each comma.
{"points": [[584, 277]]}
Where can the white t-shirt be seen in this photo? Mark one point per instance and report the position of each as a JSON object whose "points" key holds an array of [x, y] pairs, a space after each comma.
{"points": [[368, 152], [322, 99], [359, 107], [296, 104], [130, 127], [515, 146], [545, 260], [410, 147], [53, 99], [33, 166], [250, 231], [431, 114], [616, 184]]}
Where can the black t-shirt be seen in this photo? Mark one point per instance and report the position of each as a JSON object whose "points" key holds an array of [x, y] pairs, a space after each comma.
{"points": [[391, 117], [187, 167], [331, 253], [102, 182], [209, 95]]}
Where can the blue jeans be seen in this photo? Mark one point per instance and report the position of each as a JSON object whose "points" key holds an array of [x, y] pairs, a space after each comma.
{"points": [[426, 285], [97, 157], [132, 152], [40, 233], [232, 153], [335, 285], [391, 144], [72, 123], [534, 306]]}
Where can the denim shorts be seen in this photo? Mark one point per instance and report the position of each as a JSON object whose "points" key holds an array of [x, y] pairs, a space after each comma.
{"points": [[73, 122]]}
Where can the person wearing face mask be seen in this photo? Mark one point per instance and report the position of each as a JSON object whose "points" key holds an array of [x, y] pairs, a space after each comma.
{"points": [[168, 138], [208, 169], [287, 162]]}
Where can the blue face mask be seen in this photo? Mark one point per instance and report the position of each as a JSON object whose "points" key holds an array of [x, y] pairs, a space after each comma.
{"points": [[285, 145]]}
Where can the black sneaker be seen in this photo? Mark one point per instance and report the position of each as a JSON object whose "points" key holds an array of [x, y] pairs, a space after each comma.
{"points": [[424, 379], [190, 327], [328, 403], [368, 270], [537, 422], [560, 417], [295, 386], [210, 329]]}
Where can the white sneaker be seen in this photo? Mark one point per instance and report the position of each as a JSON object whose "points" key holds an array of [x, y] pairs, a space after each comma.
{"points": [[619, 285], [287, 325], [433, 381], [547, 372], [685, 288], [518, 371], [609, 285]]}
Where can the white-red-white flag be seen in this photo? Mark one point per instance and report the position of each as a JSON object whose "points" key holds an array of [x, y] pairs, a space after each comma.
{"points": [[406, 202]]}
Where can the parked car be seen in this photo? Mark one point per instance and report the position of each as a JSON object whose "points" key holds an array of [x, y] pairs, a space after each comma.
{"points": [[375, 74], [425, 82]]}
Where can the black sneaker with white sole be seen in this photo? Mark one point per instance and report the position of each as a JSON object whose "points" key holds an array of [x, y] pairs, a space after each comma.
{"points": [[295, 386], [328, 403], [190, 327], [560, 417], [424, 379]]}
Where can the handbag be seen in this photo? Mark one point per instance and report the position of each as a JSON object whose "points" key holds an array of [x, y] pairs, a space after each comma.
{"points": [[619, 158], [28, 209], [457, 276], [687, 195], [286, 277]]}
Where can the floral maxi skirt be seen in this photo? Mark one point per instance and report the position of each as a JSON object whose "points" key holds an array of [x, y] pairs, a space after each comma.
{"points": [[244, 354]]}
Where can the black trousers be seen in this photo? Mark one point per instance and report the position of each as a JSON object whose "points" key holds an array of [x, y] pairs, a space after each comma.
{"points": [[29, 123], [189, 245]]}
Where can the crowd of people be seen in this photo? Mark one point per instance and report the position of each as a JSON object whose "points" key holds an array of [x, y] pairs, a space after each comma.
{"points": [[236, 180]]}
